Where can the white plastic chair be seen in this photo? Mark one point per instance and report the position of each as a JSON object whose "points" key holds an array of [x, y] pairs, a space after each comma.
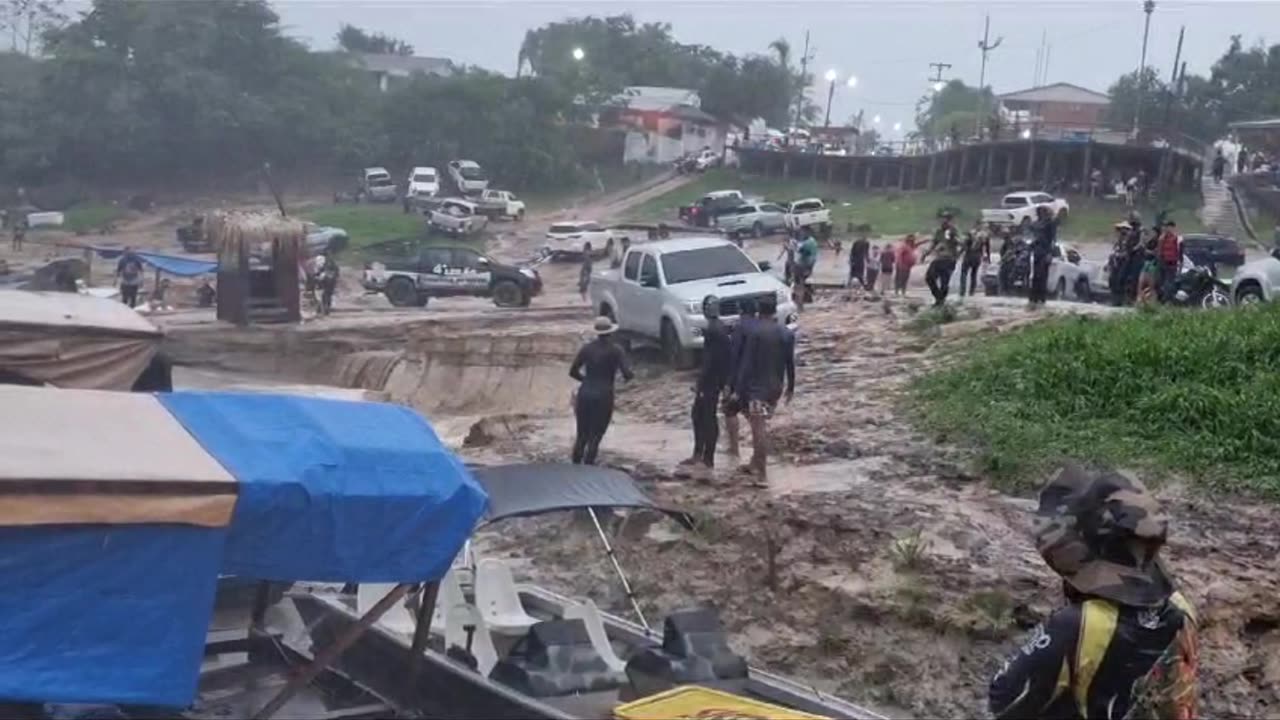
{"points": [[497, 599], [398, 619], [589, 614], [450, 594], [459, 616]]}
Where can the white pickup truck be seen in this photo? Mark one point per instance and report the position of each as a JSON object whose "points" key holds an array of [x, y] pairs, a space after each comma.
{"points": [[658, 292], [808, 213], [457, 217], [1019, 209]]}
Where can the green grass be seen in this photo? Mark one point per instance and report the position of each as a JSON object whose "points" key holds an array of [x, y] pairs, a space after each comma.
{"points": [[895, 213], [367, 224], [1192, 393], [91, 217]]}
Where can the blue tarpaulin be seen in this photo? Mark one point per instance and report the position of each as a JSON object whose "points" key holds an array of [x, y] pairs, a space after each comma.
{"points": [[332, 490], [172, 264]]}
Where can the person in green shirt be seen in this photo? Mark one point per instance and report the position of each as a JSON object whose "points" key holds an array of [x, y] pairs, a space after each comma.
{"points": [[944, 249]]}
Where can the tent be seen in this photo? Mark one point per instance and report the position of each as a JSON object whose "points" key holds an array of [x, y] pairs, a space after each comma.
{"points": [[121, 510]]}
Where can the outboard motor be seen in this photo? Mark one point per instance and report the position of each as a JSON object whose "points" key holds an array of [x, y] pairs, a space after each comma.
{"points": [[694, 650], [555, 658]]}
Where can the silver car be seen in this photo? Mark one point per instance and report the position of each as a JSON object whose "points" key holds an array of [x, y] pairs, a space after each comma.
{"points": [[755, 219]]}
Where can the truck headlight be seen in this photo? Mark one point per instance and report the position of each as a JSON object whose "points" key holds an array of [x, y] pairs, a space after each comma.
{"points": [[693, 307], [784, 297]]}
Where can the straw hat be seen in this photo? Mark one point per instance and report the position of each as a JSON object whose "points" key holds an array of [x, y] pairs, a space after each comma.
{"points": [[604, 326]]}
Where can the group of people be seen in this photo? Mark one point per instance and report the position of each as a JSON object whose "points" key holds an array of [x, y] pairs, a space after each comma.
{"points": [[876, 268], [748, 368], [801, 252], [1144, 264], [1130, 186]]}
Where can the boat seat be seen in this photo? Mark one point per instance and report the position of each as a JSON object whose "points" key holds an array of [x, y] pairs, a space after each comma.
{"points": [[694, 650], [497, 599], [556, 658], [398, 619], [461, 618], [589, 614], [450, 594]]}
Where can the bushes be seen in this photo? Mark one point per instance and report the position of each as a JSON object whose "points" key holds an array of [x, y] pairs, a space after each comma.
{"points": [[1188, 392]]}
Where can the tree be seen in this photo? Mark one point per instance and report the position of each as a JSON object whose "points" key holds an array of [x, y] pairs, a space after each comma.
{"points": [[951, 113], [27, 21], [1130, 90], [353, 39]]}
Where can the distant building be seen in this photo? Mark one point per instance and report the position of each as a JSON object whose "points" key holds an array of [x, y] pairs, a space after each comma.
{"points": [[386, 70], [662, 124], [1060, 106]]}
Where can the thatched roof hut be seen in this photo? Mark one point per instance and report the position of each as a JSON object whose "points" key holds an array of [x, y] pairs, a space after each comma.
{"points": [[266, 289]]}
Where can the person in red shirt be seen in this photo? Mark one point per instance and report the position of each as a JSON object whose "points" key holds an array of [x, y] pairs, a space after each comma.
{"points": [[1169, 257], [903, 263]]}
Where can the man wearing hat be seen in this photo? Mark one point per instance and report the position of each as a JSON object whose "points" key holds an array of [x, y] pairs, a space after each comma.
{"points": [[596, 366], [1124, 645]]}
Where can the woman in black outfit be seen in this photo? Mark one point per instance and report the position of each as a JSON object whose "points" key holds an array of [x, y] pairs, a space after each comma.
{"points": [[595, 367]]}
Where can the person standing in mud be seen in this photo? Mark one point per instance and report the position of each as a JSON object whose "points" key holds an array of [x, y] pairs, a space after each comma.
{"points": [[129, 272], [858, 253], [1044, 233], [768, 360], [903, 262], [328, 281], [596, 366], [712, 378], [806, 261], [976, 252], [885, 261], [584, 272], [732, 405], [1125, 643], [944, 248]]}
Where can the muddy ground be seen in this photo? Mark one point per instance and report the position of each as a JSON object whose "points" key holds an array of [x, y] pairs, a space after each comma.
{"points": [[876, 564]]}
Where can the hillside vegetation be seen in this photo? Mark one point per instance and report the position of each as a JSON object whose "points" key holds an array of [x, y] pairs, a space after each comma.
{"points": [[899, 213], [1195, 394]]}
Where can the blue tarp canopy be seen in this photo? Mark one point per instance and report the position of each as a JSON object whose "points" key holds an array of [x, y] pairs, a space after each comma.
{"points": [[111, 552], [172, 264]]}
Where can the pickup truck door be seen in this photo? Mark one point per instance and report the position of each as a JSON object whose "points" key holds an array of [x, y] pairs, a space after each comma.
{"points": [[626, 293], [647, 305]]}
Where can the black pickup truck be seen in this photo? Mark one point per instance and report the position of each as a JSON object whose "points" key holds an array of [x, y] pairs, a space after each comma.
{"points": [[707, 208], [410, 272]]}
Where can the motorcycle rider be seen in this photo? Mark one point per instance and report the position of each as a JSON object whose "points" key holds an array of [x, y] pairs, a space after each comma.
{"points": [[1125, 643]]}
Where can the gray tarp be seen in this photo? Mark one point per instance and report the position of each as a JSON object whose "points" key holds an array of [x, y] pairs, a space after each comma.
{"points": [[533, 489]]}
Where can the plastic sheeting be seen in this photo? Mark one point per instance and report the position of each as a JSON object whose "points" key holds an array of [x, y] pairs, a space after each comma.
{"points": [[181, 266], [113, 614], [331, 490], [534, 489]]}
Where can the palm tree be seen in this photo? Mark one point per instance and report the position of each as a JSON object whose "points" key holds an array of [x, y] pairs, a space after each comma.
{"points": [[529, 52], [782, 49]]}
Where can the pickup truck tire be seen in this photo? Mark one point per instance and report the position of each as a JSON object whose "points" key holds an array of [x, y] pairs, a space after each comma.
{"points": [[1082, 290], [520, 216], [1026, 223], [508, 294], [401, 292], [606, 310], [1061, 217], [1060, 290], [757, 230], [676, 354]]}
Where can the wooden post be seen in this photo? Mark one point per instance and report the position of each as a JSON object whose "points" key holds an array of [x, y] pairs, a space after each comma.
{"points": [[331, 653], [422, 626], [1008, 169], [991, 162], [1031, 164], [911, 176], [933, 163], [1088, 154], [866, 181]]}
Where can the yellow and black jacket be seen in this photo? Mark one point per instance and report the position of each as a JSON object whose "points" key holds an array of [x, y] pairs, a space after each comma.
{"points": [[1097, 659]]}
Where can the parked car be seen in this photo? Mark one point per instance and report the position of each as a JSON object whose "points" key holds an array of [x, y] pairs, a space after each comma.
{"points": [[375, 186], [706, 159], [1212, 250], [500, 204], [1019, 208], [564, 241], [1257, 281], [754, 219], [657, 294], [410, 272], [809, 213], [457, 217], [423, 182], [467, 176], [704, 211], [1071, 276]]}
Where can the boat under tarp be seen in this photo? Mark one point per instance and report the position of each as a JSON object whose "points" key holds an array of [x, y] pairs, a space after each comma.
{"points": [[119, 512], [73, 341]]}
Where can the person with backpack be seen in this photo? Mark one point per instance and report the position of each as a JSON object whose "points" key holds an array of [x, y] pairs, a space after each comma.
{"points": [[129, 272], [1124, 644], [1169, 257]]}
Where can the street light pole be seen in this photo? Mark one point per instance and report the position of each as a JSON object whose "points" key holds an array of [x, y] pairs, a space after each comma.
{"points": [[1148, 6], [831, 91]]}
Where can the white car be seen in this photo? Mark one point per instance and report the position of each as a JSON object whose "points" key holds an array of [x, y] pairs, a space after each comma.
{"points": [[1071, 277], [468, 177], [1019, 209], [1257, 281], [706, 159], [808, 213], [658, 292], [423, 182], [564, 241], [457, 217]]}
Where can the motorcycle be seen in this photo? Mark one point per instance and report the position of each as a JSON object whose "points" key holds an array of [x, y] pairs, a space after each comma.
{"points": [[1198, 286]]}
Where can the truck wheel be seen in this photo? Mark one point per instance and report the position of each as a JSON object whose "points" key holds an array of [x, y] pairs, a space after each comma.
{"points": [[520, 216], [401, 292], [508, 294], [423, 298], [1083, 291], [607, 311], [1250, 294], [1062, 215], [677, 355], [757, 230], [1060, 290]]}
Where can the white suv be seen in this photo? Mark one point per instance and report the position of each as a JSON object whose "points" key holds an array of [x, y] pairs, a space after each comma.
{"points": [[564, 240], [1257, 281], [423, 182]]}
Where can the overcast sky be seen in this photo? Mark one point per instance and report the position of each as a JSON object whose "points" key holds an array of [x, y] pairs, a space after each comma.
{"points": [[888, 44]]}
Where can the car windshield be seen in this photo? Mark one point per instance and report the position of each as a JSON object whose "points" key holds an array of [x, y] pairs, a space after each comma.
{"points": [[471, 173], [564, 228], [704, 263], [424, 177], [1014, 201], [379, 180]]}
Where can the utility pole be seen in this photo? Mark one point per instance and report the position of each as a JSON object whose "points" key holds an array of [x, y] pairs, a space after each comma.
{"points": [[986, 46], [1174, 83], [804, 72], [1148, 7], [938, 67]]}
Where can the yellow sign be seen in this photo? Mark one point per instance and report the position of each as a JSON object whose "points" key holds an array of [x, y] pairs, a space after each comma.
{"points": [[692, 702]]}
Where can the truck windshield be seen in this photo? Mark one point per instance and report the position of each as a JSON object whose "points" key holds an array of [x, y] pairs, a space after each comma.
{"points": [[471, 173], [424, 177], [806, 206], [704, 263], [379, 180]]}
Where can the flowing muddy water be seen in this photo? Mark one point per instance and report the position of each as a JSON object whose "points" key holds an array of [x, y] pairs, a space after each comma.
{"points": [[875, 564]]}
